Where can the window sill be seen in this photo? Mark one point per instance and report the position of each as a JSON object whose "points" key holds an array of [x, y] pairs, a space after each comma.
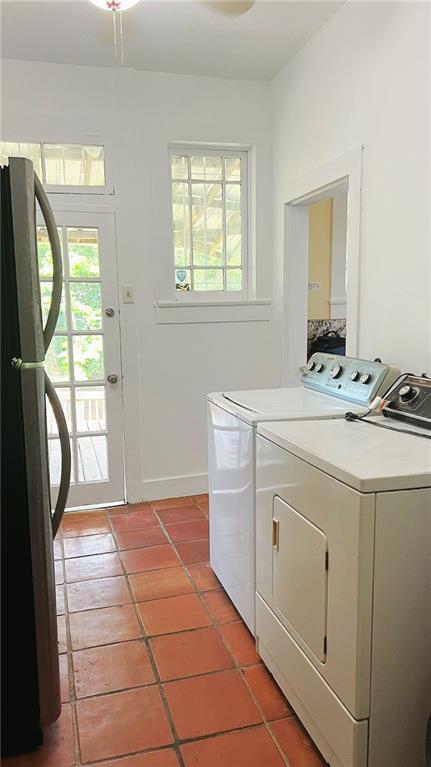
{"points": [[187, 312]]}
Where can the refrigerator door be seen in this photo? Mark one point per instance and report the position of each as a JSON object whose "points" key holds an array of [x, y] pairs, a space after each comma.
{"points": [[35, 435]]}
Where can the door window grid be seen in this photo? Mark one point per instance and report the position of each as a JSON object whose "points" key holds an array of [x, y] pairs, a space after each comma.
{"points": [[89, 446], [209, 172], [63, 165]]}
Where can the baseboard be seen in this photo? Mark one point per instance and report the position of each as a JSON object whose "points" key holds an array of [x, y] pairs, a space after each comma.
{"points": [[170, 487]]}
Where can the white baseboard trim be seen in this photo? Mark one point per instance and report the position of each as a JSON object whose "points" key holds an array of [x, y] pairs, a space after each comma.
{"points": [[170, 487]]}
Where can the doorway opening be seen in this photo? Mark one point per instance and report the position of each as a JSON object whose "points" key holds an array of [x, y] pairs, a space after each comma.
{"points": [[327, 242], [321, 261]]}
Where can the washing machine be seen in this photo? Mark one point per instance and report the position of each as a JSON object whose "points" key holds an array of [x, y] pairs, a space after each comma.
{"points": [[343, 577], [330, 384]]}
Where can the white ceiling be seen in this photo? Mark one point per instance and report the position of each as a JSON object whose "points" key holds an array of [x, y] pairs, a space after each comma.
{"points": [[164, 36]]}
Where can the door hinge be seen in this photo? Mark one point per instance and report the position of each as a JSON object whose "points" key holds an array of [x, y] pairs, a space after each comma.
{"points": [[326, 560], [325, 645]]}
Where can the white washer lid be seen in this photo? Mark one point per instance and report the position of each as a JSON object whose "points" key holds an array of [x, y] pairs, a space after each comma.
{"points": [[362, 456], [291, 403]]}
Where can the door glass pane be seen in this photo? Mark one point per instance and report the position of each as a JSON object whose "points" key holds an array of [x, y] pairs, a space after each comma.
{"points": [[44, 254], [19, 149], [57, 359], [74, 165], [88, 357], [90, 408], [45, 294], [179, 167], [85, 303], [54, 457], [208, 279], [63, 394], [207, 224], [206, 168], [181, 222], [233, 224], [232, 169], [83, 250], [234, 279], [92, 459]]}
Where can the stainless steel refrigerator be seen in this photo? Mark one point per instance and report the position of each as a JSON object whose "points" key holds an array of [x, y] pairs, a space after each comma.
{"points": [[30, 673]]}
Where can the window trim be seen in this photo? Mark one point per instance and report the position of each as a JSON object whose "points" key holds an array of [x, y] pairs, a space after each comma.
{"points": [[214, 296], [81, 189]]}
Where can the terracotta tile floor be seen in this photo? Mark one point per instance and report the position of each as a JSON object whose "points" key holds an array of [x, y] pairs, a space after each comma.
{"points": [[157, 668]]}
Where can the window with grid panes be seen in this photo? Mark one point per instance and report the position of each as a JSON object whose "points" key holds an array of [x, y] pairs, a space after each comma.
{"points": [[209, 205], [69, 165]]}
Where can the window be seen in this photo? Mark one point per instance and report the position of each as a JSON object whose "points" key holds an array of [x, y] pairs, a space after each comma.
{"points": [[75, 165], [209, 212]]}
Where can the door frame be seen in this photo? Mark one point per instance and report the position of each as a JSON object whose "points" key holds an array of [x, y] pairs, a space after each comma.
{"points": [[342, 174], [86, 211]]}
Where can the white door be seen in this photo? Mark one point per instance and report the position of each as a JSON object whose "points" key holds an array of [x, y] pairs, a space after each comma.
{"points": [[83, 361]]}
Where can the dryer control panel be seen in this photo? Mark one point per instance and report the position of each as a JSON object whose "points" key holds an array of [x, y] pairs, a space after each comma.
{"points": [[348, 378], [409, 400]]}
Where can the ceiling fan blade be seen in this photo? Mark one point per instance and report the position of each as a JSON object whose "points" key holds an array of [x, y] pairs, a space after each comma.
{"points": [[229, 7]]}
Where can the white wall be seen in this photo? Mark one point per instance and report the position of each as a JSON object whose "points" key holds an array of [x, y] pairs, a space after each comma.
{"points": [[363, 79], [168, 369]]}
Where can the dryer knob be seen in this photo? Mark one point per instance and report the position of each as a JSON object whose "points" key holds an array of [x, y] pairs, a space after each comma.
{"points": [[365, 378], [354, 375], [311, 365], [408, 393], [319, 367], [335, 371]]}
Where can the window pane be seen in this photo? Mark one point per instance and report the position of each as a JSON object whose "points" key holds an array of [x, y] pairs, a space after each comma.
{"points": [[208, 279], [90, 408], [233, 224], [207, 222], [45, 294], [19, 149], [179, 167], [183, 280], [74, 165], [63, 394], [206, 168], [44, 253], [92, 459], [234, 279], [83, 249], [181, 214], [54, 453], [85, 302], [232, 169], [57, 359], [88, 357]]}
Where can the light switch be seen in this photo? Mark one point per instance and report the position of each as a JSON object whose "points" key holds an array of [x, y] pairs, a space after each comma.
{"points": [[128, 297]]}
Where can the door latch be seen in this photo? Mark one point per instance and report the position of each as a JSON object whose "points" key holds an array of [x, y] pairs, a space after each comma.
{"points": [[275, 533]]}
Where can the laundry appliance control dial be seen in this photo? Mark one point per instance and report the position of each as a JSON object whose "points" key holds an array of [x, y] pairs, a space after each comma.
{"points": [[354, 375], [311, 365], [365, 378], [407, 393], [335, 371]]}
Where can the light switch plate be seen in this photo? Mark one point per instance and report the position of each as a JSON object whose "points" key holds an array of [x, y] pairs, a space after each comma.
{"points": [[127, 293]]}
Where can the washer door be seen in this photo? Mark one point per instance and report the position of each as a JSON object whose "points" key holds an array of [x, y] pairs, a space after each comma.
{"points": [[300, 578]]}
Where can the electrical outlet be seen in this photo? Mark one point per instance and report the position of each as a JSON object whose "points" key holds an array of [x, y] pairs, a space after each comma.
{"points": [[128, 297]]}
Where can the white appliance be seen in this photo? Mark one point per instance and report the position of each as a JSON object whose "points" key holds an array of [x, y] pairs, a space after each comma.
{"points": [[343, 584], [330, 385]]}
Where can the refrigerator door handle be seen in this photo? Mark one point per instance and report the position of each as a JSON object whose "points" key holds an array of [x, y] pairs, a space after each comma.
{"points": [[57, 274], [63, 434]]}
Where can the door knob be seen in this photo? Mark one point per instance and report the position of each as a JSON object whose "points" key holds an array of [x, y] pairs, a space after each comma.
{"points": [[109, 311], [113, 378]]}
